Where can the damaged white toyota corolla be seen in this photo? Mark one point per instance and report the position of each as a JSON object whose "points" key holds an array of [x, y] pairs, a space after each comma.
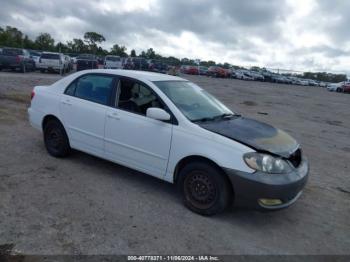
{"points": [[172, 129]]}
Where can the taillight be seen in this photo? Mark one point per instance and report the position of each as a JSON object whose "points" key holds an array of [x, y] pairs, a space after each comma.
{"points": [[32, 95], [18, 59]]}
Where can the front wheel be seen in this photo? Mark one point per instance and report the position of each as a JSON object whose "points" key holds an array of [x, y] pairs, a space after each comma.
{"points": [[56, 139], [23, 68], [205, 189]]}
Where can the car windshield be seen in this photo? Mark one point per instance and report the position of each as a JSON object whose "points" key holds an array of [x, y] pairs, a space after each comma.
{"points": [[194, 102]]}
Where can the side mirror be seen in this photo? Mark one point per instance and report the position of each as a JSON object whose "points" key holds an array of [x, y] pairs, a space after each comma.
{"points": [[157, 113]]}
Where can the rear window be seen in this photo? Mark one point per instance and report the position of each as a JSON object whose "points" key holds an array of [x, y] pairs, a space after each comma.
{"points": [[113, 58], [12, 52], [33, 53], [87, 57], [50, 56], [139, 60], [95, 88]]}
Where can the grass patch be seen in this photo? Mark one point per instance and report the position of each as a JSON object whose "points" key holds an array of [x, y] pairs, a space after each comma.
{"points": [[16, 97]]}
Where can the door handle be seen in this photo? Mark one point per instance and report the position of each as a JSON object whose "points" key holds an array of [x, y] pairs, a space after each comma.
{"points": [[113, 115], [67, 102]]}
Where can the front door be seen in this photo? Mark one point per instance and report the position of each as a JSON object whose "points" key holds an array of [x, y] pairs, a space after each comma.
{"points": [[133, 139]]}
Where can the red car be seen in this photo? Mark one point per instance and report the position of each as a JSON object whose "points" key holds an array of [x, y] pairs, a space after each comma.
{"points": [[191, 70], [217, 71], [346, 87]]}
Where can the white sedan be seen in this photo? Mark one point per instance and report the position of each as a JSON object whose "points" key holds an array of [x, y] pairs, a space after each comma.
{"points": [[170, 128]]}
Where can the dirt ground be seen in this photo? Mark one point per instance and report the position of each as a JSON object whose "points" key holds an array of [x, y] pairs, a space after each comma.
{"points": [[85, 205]]}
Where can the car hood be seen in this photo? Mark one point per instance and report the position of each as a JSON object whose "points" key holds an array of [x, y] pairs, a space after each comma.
{"points": [[257, 135]]}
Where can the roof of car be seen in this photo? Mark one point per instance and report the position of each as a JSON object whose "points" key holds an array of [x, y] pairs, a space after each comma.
{"points": [[54, 53], [141, 75]]}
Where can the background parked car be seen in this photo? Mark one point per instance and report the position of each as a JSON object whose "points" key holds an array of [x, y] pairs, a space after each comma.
{"points": [[183, 68], [203, 70], [73, 57], [113, 62], [335, 87], [191, 70], [139, 63], [239, 74], [35, 55], [16, 58], [136, 63], [256, 76], [312, 82], [86, 61], [68, 63], [217, 71], [157, 66], [346, 87], [52, 62]]}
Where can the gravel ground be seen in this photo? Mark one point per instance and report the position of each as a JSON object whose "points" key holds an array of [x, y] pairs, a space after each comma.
{"points": [[85, 205]]}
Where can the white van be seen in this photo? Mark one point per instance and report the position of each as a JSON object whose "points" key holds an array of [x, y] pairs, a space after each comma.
{"points": [[113, 62]]}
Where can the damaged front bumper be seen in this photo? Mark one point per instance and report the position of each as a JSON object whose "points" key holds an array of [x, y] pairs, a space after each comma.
{"points": [[268, 191]]}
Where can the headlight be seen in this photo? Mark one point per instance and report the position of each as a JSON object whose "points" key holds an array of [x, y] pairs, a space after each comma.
{"points": [[266, 163]]}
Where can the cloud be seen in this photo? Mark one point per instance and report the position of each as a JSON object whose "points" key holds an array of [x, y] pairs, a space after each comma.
{"points": [[250, 32]]}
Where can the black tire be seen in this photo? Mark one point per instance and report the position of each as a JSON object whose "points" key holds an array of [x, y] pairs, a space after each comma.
{"points": [[56, 139], [339, 90], [204, 188], [42, 70], [23, 68]]}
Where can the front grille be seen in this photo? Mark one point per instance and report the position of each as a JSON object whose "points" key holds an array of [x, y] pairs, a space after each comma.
{"points": [[295, 158]]}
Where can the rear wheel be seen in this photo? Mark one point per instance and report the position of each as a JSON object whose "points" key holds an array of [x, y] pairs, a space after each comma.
{"points": [[56, 139], [205, 189]]}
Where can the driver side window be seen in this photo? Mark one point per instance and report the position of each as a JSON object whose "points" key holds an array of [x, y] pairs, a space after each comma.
{"points": [[135, 97]]}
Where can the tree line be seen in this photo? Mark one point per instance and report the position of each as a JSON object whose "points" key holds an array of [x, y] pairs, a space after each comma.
{"points": [[91, 43]]}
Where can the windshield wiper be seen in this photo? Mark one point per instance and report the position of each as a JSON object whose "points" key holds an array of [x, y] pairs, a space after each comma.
{"points": [[222, 116], [226, 116], [204, 119]]}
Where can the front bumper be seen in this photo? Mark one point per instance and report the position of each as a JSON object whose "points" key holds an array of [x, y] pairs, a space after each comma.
{"points": [[249, 188]]}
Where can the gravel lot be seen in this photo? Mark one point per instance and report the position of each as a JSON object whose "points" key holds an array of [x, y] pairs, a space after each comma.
{"points": [[84, 205]]}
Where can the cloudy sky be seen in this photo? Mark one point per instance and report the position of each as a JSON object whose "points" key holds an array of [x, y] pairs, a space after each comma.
{"points": [[291, 34]]}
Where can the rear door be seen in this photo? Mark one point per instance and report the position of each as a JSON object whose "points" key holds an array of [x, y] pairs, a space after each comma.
{"points": [[83, 107]]}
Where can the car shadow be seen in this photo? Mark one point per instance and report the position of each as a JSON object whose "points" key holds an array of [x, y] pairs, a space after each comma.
{"points": [[111, 169], [233, 215]]}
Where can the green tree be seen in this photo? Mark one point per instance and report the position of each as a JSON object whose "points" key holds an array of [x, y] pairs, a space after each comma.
{"points": [[133, 53], [150, 54], [77, 46], [11, 36], [143, 54], [227, 65], [28, 43], [119, 50], [45, 42], [92, 39], [60, 47]]}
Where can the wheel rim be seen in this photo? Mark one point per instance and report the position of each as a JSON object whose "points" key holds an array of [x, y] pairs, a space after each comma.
{"points": [[200, 190], [54, 139]]}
